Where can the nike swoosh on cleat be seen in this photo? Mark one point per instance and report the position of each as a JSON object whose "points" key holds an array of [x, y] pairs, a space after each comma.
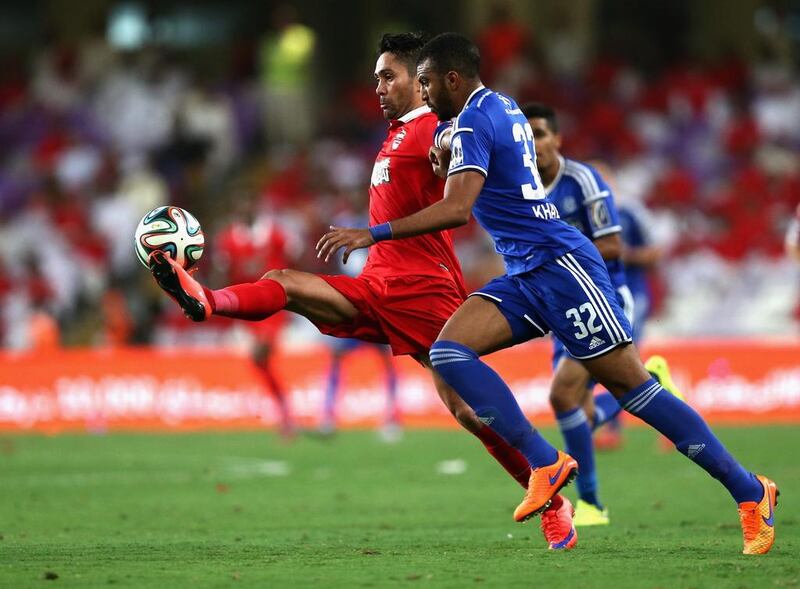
{"points": [[770, 521], [554, 478], [564, 542]]}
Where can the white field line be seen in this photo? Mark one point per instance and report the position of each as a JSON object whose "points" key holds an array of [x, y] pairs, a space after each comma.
{"points": [[228, 469]]}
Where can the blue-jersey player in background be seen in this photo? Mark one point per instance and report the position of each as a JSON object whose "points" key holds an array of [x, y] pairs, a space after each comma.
{"points": [[555, 281], [391, 430], [586, 202]]}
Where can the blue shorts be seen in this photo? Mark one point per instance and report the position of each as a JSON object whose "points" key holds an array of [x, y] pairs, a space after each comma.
{"points": [[571, 296], [625, 300]]}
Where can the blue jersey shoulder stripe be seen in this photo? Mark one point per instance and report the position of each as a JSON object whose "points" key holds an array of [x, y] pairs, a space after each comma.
{"points": [[584, 177]]}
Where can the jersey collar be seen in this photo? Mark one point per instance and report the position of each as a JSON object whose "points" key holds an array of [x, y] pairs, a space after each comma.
{"points": [[561, 165], [474, 92], [411, 115]]}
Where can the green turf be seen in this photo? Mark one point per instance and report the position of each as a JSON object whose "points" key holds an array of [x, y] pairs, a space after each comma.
{"points": [[221, 510]]}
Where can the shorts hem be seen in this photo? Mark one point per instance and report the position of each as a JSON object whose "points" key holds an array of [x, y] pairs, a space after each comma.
{"points": [[610, 348]]}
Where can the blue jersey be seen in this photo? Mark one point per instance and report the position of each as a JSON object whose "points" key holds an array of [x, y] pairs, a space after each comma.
{"points": [[585, 201], [492, 136]]}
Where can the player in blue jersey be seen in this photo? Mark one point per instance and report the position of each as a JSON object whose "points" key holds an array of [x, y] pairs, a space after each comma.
{"points": [[555, 281], [585, 201], [391, 430]]}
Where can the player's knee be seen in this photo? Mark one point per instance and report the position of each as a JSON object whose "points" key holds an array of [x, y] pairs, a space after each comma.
{"points": [[287, 278], [282, 276], [564, 395]]}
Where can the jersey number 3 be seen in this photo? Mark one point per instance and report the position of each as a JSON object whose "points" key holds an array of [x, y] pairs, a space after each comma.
{"points": [[524, 135]]}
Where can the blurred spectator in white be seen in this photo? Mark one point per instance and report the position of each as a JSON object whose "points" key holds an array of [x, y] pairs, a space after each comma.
{"points": [[207, 115], [56, 81], [137, 104]]}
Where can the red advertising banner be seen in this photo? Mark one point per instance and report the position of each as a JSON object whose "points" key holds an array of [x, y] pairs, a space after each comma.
{"points": [[726, 380]]}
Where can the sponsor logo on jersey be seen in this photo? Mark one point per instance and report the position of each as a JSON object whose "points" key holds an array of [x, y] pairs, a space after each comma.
{"points": [[398, 139], [380, 172], [457, 152]]}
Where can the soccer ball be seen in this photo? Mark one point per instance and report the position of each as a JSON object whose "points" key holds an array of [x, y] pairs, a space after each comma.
{"points": [[172, 230]]}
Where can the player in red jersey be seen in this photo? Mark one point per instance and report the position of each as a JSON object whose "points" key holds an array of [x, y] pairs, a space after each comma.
{"points": [[408, 289], [252, 241]]}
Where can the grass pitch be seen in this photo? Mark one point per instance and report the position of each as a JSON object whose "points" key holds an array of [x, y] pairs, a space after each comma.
{"points": [[244, 510]]}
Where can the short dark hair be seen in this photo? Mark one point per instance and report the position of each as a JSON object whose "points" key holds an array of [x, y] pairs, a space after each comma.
{"points": [[451, 52], [537, 110], [404, 46]]}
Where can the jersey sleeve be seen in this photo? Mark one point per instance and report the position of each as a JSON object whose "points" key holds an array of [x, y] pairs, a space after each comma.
{"points": [[471, 143], [599, 203], [441, 137]]}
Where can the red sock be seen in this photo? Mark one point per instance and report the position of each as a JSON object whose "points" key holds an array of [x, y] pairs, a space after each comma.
{"points": [[278, 394], [509, 457], [253, 300]]}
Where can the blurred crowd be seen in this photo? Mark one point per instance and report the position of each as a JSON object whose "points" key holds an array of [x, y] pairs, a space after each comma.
{"points": [[92, 138]]}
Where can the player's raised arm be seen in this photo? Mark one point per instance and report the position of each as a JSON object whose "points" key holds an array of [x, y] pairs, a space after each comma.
{"points": [[453, 210]]}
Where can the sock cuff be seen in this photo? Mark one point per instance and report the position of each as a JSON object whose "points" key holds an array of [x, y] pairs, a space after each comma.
{"points": [[276, 286], [223, 300], [571, 419], [445, 352], [637, 399]]}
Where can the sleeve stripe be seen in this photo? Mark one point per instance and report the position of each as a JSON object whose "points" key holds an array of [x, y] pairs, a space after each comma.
{"points": [[464, 129], [584, 177], [596, 197], [460, 169], [607, 231]]}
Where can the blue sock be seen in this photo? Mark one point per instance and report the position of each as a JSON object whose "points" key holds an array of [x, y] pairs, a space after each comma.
{"points": [[391, 393], [692, 437], [574, 427], [491, 399], [606, 408], [331, 390]]}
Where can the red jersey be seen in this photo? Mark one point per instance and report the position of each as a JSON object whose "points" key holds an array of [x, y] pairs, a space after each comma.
{"points": [[248, 251], [403, 183]]}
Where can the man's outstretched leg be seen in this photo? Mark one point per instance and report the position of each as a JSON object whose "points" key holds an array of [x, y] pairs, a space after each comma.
{"points": [[557, 525], [300, 292], [622, 372], [478, 327]]}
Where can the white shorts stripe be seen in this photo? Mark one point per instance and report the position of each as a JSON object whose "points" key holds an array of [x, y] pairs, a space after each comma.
{"points": [[590, 295], [601, 297], [603, 300], [536, 325]]}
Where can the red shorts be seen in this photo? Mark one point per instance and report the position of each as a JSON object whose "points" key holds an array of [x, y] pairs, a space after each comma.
{"points": [[406, 312]]}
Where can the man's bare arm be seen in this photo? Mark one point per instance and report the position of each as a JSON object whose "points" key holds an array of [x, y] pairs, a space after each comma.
{"points": [[460, 193]]}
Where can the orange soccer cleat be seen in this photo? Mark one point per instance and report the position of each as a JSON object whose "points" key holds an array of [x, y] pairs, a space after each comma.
{"points": [[178, 284], [557, 526], [544, 483], [758, 519]]}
